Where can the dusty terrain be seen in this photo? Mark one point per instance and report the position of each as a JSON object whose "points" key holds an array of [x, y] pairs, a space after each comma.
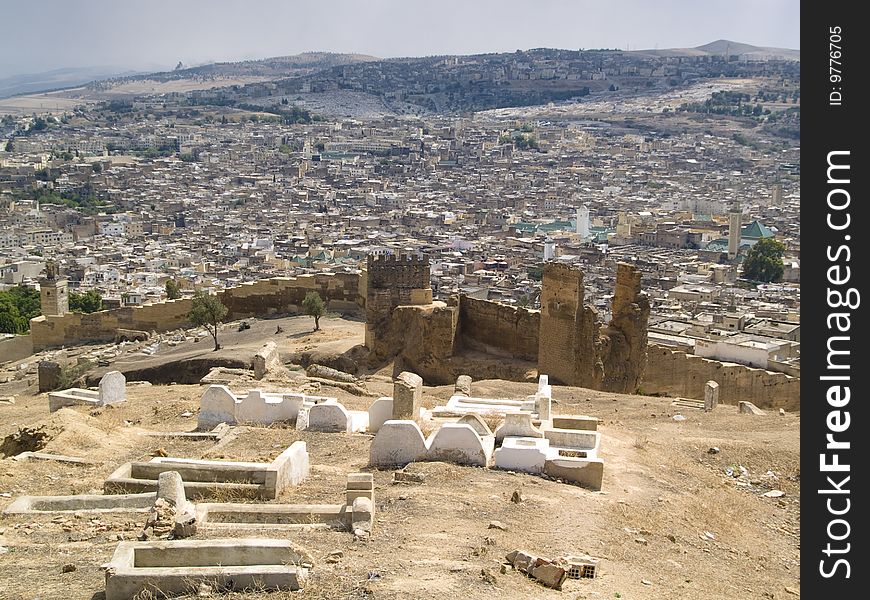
{"points": [[670, 522]]}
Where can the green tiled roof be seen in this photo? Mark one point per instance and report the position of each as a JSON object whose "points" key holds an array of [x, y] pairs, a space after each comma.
{"points": [[756, 231]]}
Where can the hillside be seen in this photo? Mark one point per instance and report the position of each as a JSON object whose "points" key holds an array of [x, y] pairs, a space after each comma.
{"points": [[674, 519], [727, 48]]}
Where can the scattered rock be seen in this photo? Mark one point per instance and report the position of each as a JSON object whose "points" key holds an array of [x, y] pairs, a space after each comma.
{"points": [[646, 581], [748, 408], [679, 418], [405, 477], [713, 450], [524, 561], [488, 576], [517, 497], [642, 541], [497, 525], [334, 556], [781, 412], [549, 575], [774, 494], [793, 591], [160, 452], [68, 568]]}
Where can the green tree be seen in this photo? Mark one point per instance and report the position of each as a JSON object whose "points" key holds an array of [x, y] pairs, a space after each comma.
{"points": [[764, 261], [17, 306], [173, 290], [314, 306], [208, 311], [90, 301]]}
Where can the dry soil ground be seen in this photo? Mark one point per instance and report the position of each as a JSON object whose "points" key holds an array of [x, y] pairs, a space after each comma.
{"points": [[669, 522]]}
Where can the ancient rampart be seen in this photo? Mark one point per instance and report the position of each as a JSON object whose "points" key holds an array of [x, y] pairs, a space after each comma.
{"points": [[279, 295]]}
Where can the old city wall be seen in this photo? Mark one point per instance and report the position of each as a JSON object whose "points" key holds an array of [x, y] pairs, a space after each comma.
{"points": [[498, 329], [679, 374], [258, 299], [569, 345], [624, 344]]}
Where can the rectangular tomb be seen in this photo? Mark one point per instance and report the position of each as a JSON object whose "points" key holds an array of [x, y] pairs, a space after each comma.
{"points": [[203, 478], [181, 566]]}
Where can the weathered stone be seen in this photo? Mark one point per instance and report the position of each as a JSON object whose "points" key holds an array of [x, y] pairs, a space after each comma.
{"points": [[575, 349], [131, 335], [711, 395], [267, 360], [517, 424], [459, 443], [398, 442], [323, 372], [404, 477], [113, 388], [329, 416], [675, 373], [407, 396], [549, 575], [380, 411], [49, 373], [462, 386], [524, 562], [749, 408]]}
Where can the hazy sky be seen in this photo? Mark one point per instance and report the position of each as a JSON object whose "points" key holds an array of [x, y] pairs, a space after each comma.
{"points": [[48, 34]]}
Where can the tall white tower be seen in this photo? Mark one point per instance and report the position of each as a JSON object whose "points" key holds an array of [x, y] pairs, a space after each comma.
{"points": [[733, 231], [549, 249], [583, 221]]}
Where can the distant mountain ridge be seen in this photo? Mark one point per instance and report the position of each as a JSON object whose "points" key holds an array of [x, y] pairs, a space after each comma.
{"points": [[729, 48], [27, 83], [277, 66]]}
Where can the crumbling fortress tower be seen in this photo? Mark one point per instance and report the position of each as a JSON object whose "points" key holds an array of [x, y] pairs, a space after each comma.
{"points": [[392, 280], [575, 349], [624, 344], [569, 346]]}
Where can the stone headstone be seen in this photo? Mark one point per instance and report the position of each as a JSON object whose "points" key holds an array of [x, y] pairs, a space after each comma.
{"points": [[380, 411], [463, 386], [407, 396], [113, 388], [711, 395], [749, 408], [397, 443], [517, 425], [49, 375], [266, 360], [170, 487], [218, 405], [329, 416]]}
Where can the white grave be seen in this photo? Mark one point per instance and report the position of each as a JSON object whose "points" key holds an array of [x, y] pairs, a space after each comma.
{"points": [[112, 390]]}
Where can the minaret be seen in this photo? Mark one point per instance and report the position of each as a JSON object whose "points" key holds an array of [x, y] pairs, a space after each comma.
{"points": [[733, 231], [53, 292], [582, 226], [549, 249]]}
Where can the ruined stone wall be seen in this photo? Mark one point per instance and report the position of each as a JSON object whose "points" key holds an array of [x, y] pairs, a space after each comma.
{"points": [[676, 373], [266, 297], [498, 329], [569, 344], [624, 348], [389, 281]]}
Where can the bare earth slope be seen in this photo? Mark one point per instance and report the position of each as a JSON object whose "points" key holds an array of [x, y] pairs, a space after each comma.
{"points": [[669, 523]]}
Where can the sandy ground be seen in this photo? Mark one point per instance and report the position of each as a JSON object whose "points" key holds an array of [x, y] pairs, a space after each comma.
{"points": [[668, 523]]}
